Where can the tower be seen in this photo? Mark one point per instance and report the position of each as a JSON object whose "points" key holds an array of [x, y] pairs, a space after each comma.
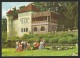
{"points": [[9, 24]]}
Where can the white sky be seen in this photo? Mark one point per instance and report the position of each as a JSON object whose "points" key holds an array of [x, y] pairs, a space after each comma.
{"points": [[8, 5]]}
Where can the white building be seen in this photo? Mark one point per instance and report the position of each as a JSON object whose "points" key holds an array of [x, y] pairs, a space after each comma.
{"points": [[29, 19]]}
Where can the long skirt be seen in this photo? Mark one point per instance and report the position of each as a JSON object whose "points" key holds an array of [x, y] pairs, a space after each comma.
{"points": [[20, 48]]}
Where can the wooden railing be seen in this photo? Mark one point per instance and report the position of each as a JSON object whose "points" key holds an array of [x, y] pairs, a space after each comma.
{"points": [[39, 14], [39, 22]]}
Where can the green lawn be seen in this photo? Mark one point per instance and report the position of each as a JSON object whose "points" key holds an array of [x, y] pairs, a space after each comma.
{"points": [[12, 52]]}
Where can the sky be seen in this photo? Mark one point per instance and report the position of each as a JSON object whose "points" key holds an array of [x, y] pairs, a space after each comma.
{"points": [[8, 5]]}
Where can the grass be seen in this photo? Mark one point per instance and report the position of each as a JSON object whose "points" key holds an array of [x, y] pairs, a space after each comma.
{"points": [[12, 52]]}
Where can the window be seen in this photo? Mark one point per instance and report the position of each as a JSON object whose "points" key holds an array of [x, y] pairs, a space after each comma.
{"points": [[35, 28], [24, 20], [42, 28], [21, 29], [21, 21], [26, 29]]}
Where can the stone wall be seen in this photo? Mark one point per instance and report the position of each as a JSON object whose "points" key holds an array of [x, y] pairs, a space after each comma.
{"points": [[39, 29]]}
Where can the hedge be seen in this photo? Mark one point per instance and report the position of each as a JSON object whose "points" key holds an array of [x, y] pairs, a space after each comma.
{"points": [[53, 40], [62, 41], [73, 40]]}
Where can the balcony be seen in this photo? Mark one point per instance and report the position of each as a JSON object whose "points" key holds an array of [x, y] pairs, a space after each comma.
{"points": [[39, 22], [41, 14]]}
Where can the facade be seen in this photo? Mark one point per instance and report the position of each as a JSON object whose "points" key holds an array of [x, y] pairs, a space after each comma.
{"points": [[29, 19]]}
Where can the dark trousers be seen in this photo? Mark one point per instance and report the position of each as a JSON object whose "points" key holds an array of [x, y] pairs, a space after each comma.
{"points": [[25, 46], [22, 46]]}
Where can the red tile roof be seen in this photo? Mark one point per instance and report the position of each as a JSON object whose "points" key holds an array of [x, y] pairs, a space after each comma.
{"points": [[9, 12], [29, 7]]}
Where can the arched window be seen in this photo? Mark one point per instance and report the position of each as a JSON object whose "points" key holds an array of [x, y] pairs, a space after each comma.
{"points": [[35, 28], [42, 28]]}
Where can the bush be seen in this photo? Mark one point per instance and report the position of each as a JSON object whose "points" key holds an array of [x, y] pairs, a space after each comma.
{"points": [[65, 34], [72, 35], [9, 44], [46, 40], [4, 44], [53, 40], [31, 40], [4, 36], [62, 41], [25, 36], [40, 36], [13, 44], [72, 40], [14, 38]]}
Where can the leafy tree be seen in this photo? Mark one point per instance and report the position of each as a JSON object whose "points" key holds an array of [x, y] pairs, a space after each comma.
{"points": [[21, 7], [4, 29], [4, 36], [72, 14], [4, 24], [68, 12]]}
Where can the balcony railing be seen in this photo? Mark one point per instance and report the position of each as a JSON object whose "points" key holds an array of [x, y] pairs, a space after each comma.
{"points": [[42, 22], [39, 22], [40, 14]]}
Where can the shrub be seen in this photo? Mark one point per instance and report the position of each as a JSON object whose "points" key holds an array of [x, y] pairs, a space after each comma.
{"points": [[40, 36], [4, 44], [13, 44], [31, 40], [72, 35], [65, 34], [53, 40], [73, 40], [46, 40], [14, 38], [9, 44], [62, 41], [34, 35], [25, 36], [4, 36]]}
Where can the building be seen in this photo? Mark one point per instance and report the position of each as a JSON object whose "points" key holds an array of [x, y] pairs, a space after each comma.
{"points": [[29, 19]]}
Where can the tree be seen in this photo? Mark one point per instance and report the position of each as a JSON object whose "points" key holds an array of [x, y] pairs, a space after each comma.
{"points": [[4, 29], [21, 7], [4, 24], [68, 12], [72, 14]]}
